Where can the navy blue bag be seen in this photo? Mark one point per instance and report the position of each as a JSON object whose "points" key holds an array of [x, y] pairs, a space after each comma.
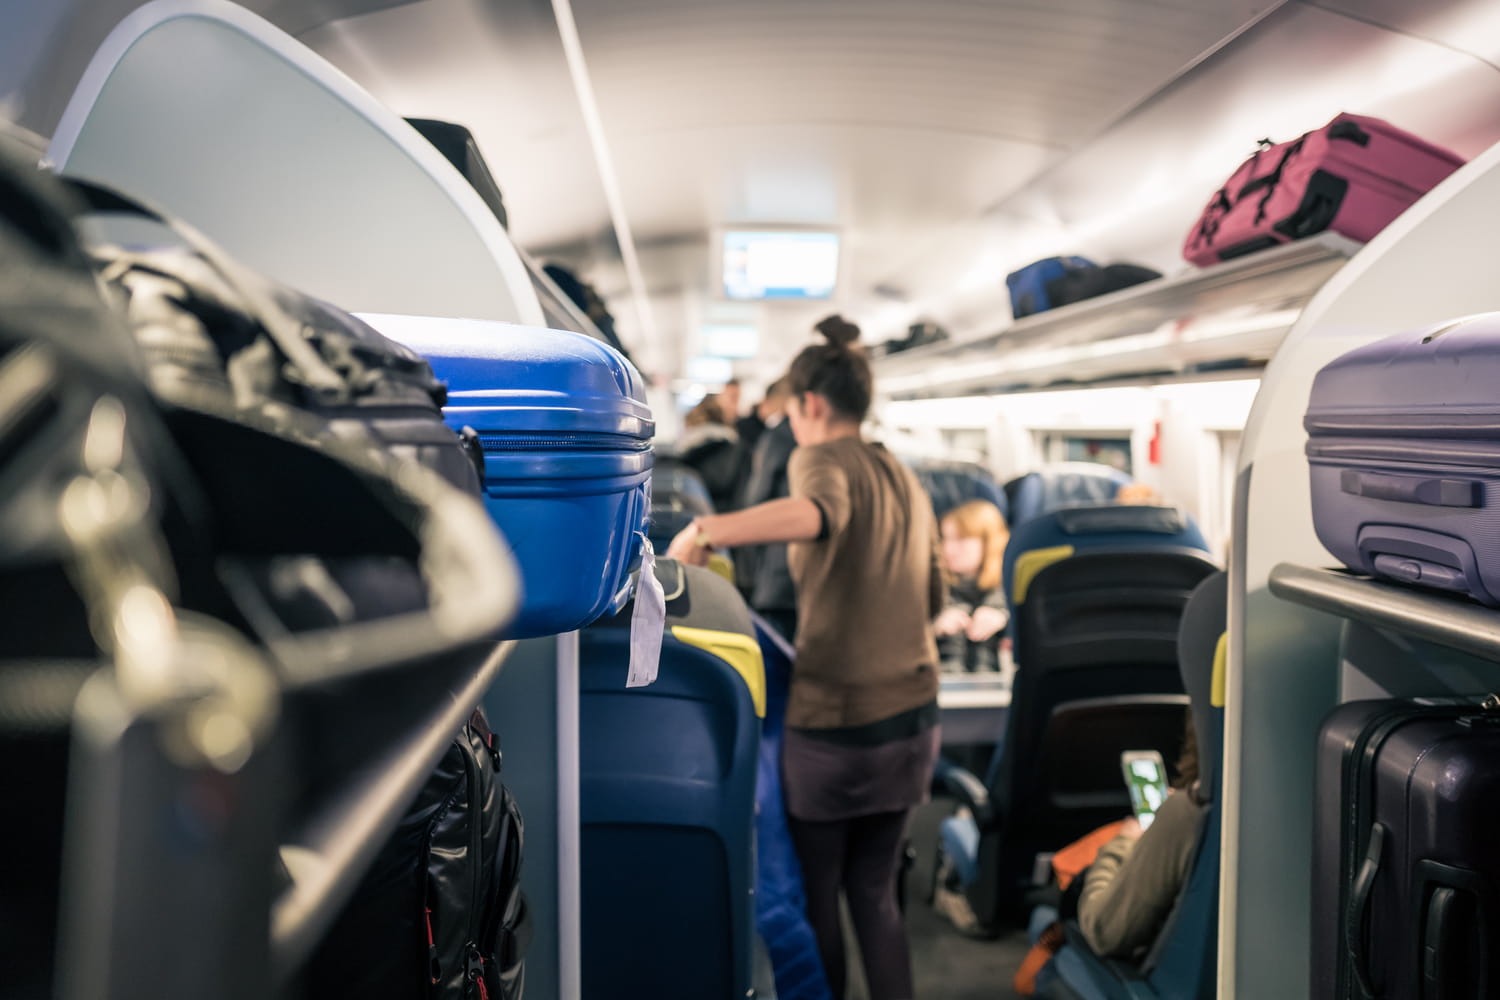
{"points": [[1404, 449], [1028, 286]]}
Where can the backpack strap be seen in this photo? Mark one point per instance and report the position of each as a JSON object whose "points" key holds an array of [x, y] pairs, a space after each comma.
{"points": [[284, 330]]}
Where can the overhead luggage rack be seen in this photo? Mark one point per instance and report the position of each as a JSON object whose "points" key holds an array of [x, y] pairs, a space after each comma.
{"points": [[1241, 308], [1453, 622]]}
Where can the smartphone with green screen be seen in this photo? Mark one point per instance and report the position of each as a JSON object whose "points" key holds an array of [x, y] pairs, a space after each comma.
{"points": [[1146, 777]]}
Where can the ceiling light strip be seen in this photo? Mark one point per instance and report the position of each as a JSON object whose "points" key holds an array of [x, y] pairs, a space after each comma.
{"points": [[583, 86]]}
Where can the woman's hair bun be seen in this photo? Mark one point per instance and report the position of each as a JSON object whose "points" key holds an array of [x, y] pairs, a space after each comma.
{"points": [[838, 330]]}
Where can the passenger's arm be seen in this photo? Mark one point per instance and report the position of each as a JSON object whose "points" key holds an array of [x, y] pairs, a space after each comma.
{"points": [[1130, 888], [790, 519], [937, 581]]}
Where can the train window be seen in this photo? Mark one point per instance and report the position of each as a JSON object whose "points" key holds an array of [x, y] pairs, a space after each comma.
{"points": [[1111, 451], [971, 443]]}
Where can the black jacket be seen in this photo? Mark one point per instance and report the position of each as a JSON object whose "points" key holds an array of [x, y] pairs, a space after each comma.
{"points": [[762, 569], [713, 452], [976, 657]]}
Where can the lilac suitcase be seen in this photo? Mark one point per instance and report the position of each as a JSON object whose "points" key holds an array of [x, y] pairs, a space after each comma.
{"points": [[1405, 867], [1352, 176], [1404, 450]]}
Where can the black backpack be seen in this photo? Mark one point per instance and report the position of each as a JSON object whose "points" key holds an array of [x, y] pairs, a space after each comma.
{"points": [[441, 913]]}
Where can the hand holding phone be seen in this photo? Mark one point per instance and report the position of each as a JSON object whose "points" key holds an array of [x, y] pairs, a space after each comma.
{"points": [[1146, 778]]}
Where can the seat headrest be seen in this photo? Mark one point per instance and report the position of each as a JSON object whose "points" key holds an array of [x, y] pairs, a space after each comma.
{"points": [[1117, 518], [1201, 645], [1065, 484], [951, 484], [1061, 534]]}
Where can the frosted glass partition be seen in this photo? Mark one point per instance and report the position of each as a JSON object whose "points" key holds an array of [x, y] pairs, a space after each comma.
{"points": [[1284, 662], [205, 108]]}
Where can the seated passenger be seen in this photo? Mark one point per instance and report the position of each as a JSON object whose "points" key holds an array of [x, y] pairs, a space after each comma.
{"points": [[1139, 494], [1130, 889], [970, 627], [711, 447]]}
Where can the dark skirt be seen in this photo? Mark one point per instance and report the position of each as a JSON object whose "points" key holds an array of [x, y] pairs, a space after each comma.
{"points": [[837, 774]]}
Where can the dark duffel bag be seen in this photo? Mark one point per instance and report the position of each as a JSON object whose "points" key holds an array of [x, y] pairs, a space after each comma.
{"points": [[1079, 284], [69, 383], [1405, 868], [440, 912], [210, 331]]}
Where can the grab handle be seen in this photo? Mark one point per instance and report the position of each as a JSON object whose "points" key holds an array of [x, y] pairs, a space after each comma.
{"points": [[1413, 489], [1357, 917]]}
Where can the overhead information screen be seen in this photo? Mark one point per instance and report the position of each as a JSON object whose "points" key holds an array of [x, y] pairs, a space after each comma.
{"points": [[787, 265]]}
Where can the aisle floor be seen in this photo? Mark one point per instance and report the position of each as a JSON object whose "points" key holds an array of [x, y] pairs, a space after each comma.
{"points": [[945, 964]]}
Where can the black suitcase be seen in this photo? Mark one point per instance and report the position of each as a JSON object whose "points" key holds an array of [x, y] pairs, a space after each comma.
{"points": [[1407, 852]]}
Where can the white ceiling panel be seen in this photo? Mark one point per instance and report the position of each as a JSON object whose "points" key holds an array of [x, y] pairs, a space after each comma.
{"points": [[891, 120]]}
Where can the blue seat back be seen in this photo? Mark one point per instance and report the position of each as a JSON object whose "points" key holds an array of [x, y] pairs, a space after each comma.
{"points": [[1097, 595], [951, 484], [780, 901], [667, 795], [1183, 964], [1185, 959], [1066, 484]]}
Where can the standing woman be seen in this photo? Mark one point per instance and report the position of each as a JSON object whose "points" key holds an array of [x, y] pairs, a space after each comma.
{"points": [[862, 719]]}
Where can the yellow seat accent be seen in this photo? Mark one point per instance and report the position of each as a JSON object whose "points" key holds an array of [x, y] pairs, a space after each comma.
{"points": [[741, 652], [1029, 564], [1221, 672], [722, 565]]}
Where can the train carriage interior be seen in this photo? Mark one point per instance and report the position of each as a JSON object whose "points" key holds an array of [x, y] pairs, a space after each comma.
{"points": [[375, 376]]}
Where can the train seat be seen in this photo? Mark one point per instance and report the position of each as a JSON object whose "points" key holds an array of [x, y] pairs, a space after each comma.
{"points": [[780, 903], [1064, 484], [949, 484], [667, 796], [1096, 595], [1182, 963]]}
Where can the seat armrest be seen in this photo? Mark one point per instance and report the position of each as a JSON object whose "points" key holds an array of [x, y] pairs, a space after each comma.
{"points": [[952, 780], [1116, 979]]}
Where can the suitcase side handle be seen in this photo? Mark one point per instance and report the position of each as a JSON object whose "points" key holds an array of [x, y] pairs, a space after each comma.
{"points": [[1355, 920], [1434, 492]]}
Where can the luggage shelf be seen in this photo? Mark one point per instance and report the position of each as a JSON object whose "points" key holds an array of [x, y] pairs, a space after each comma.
{"points": [[1240, 309], [1448, 621]]}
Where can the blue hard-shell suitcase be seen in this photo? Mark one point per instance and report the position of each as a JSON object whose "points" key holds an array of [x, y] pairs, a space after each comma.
{"points": [[1404, 449], [567, 445]]}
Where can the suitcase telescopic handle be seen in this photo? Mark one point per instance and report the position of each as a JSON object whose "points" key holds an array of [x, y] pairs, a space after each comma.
{"points": [[1434, 492], [1356, 931]]}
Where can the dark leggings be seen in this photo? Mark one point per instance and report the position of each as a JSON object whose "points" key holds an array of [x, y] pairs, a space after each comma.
{"points": [[862, 857]]}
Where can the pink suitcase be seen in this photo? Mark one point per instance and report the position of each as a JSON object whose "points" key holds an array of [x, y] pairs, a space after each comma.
{"points": [[1353, 176]]}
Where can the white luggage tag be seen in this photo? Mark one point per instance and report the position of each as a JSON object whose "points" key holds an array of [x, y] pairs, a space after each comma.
{"points": [[647, 621]]}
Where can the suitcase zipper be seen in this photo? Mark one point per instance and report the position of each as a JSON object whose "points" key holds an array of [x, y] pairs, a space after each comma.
{"points": [[578, 442], [474, 962]]}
